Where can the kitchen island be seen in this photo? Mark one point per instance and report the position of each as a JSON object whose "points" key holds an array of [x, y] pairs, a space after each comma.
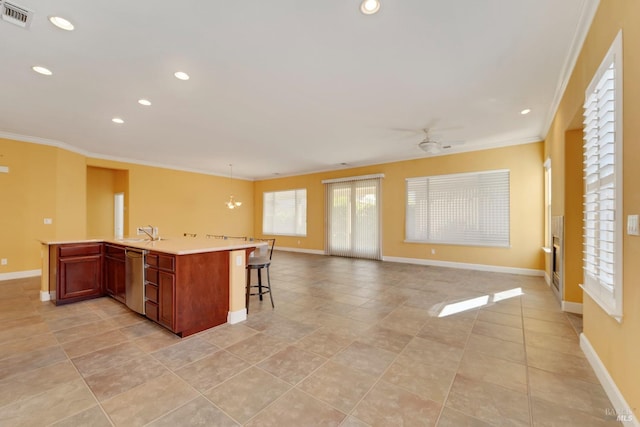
{"points": [[188, 284]]}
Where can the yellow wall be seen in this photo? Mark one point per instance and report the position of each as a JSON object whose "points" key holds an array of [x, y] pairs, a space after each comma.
{"points": [[28, 196], [71, 195], [102, 185], [573, 217], [43, 182], [50, 182], [616, 344], [100, 205], [527, 220], [180, 202]]}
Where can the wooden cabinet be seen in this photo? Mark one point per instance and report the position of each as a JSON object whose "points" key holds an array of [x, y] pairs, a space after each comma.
{"points": [[160, 288], [114, 271], [75, 272], [187, 293], [166, 306]]}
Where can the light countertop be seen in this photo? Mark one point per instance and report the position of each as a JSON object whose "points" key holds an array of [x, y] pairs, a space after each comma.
{"points": [[171, 245]]}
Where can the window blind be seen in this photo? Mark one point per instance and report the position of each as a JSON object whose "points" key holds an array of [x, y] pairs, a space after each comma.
{"points": [[462, 209], [602, 183], [353, 217], [285, 213]]}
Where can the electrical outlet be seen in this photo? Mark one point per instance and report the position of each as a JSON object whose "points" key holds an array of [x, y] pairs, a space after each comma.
{"points": [[632, 225], [433, 251], [3, 261], [48, 221]]}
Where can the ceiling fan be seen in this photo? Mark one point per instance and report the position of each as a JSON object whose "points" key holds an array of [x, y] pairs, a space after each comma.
{"points": [[432, 146]]}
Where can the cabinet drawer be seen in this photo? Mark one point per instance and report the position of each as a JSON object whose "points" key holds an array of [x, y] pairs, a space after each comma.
{"points": [[151, 275], [151, 310], [151, 259], [162, 261], [115, 252], [80, 249], [166, 262], [151, 292]]}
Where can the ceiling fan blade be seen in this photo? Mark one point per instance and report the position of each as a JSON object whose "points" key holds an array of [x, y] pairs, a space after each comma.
{"points": [[450, 144], [407, 130]]}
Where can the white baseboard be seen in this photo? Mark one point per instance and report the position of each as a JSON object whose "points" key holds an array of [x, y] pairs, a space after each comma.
{"points": [[20, 274], [547, 279], [449, 264], [467, 266], [44, 296], [571, 307], [238, 316], [620, 407], [304, 251]]}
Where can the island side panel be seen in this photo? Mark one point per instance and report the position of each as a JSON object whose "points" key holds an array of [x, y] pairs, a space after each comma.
{"points": [[44, 277], [201, 291], [238, 285]]}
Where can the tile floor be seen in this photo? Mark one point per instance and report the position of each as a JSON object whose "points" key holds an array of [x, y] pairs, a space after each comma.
{"points": [[350, 343]]}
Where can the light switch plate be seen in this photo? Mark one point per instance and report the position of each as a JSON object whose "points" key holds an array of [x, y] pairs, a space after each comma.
{"points": [[48, 221], [632, 225], [4, 169]]}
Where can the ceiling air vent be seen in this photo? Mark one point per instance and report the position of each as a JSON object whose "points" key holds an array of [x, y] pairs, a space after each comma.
{"points": [[15, 14]]}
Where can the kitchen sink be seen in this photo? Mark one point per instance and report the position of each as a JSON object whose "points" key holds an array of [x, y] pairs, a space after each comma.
{"points": [[140, 240]]}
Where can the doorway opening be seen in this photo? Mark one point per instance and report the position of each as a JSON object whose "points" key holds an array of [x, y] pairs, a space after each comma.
{"points": [[118, 215]]}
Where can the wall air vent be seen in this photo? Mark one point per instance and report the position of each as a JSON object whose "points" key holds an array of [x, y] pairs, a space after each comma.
{"points": [[16, 14]]}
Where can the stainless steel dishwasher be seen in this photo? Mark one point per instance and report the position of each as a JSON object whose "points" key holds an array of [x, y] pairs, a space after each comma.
{"points": [[134, 282]]}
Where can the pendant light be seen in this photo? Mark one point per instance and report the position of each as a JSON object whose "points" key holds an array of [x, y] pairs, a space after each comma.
{"points": [[232, 203]]}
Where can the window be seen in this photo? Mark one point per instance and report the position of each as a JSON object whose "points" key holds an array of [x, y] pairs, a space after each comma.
{"points": [[285, 213], [603, 183], [460, 209], [353, 216], [548, 239]]}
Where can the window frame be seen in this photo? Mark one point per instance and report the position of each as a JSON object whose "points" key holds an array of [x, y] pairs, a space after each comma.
{"points": [[610, 300], [297, 205], [473, 239]]}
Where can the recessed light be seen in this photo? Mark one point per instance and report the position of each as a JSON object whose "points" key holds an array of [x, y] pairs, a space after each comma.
{"points": [[41, 70], [117, 120], [369, 7], [144, 102], [61, 23], [181, 75], [525, 111]]}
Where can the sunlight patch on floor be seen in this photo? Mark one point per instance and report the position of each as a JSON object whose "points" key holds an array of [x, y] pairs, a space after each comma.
{"points": [[472, 303]]}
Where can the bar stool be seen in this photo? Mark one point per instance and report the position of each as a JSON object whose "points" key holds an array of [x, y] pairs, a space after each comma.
{"points": [[258, 263]]}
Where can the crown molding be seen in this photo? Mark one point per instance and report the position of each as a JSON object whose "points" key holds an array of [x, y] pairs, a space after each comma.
{"points": [[65, 146], [587, 13]]}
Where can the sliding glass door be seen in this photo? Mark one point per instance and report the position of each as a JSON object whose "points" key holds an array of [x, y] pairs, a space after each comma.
{"points": [[353, 218]]}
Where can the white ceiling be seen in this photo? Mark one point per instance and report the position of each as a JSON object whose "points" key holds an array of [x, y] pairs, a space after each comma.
{"points": [[286, 86]]}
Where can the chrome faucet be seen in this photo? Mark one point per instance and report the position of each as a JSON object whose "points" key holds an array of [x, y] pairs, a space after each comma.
{"points": [[153, 235]]}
